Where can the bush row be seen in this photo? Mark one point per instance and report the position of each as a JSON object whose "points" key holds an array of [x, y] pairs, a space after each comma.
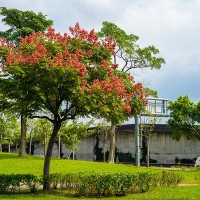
{"points": [[109, 184], [91, 183], [16, 182], [101, 184]]}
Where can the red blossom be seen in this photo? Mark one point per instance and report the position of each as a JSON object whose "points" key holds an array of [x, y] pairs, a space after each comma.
{"points": [[114, 66], [3, 41], [54, 50], [109, 44]]}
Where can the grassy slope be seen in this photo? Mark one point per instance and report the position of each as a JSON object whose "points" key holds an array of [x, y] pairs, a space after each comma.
{"points": [[11, 163]]}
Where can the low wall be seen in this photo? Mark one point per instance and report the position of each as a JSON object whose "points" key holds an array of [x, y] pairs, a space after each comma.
{"points": [[162, 147]]}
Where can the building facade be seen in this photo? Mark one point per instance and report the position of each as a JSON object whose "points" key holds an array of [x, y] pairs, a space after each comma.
{"points": [[163, 149]]}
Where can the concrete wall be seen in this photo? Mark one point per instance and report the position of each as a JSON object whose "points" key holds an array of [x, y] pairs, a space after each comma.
{"points": [[162, 147]]}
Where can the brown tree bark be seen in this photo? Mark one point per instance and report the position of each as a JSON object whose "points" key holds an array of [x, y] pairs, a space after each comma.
{"points": [[16, 147], [9, 145], [45, 144], [1, 139], [59, 147], [104, 153], [148, 155], [22, 151], [46, 169], [30, 143], [111, 158]]}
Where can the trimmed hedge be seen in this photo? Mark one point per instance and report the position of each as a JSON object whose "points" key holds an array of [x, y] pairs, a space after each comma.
{"points": [[112, 184], [91, 183], [14, 182]]}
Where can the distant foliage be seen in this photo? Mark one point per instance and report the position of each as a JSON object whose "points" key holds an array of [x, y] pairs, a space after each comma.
{"points": [[184, 118]]}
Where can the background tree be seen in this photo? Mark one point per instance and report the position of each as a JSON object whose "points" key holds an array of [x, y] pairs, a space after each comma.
{"points": [[41, 132], [130, 56], [58, 72], [103, 130], [184, 118], [21, 24], [73, 132], [115, 107], [2, 129], [147, 129], [128, 51], [29, 138], [9, 130]]}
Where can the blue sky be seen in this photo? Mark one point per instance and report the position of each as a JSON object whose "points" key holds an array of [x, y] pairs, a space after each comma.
{"points": [[171, 25]]}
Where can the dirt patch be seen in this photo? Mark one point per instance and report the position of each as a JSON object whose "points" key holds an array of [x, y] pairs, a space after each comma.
{"points": [[183, 185]]}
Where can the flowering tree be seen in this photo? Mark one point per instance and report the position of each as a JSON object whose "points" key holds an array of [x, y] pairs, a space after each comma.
{"points": [[67, 75], [115, 100], [131, 56]]}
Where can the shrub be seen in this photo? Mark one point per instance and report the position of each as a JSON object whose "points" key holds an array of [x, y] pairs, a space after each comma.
{"points": [[32, 182], [147, 180], [170, 178], [108, 184], [92, 183], [12, 182], [4, 183]]}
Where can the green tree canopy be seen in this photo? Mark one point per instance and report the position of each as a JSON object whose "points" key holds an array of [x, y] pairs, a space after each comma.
{"points": [[71, 133], [130, 56], [184, 118], [22, 23], [129, 51]]}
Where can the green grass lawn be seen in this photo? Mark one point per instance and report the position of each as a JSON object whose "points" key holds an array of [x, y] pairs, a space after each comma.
{"points": [[11, 163]]}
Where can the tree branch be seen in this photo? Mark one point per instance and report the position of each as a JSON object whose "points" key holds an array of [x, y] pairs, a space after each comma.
{"points": [[42, 117]]}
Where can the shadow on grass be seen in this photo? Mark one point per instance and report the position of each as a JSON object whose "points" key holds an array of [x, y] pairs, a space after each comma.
{"points": [[9, 156], [158, 193], [4, 156], [38, 195]]}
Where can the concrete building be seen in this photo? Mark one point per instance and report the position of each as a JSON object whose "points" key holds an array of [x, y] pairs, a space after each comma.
{"points": [[163, 149]]}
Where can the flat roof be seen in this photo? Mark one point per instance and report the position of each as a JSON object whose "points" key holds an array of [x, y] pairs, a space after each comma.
{"points": [[158, 128]]}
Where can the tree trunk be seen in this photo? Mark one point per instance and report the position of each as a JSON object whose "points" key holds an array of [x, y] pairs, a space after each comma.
{"points": [[45, 144], [111, 158], [22, 152], [30, 143], [104, 153], [59, 146], [148, 156], [16, 147], [9, 145], [146, 142], [46, 169], [1, 139]]}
